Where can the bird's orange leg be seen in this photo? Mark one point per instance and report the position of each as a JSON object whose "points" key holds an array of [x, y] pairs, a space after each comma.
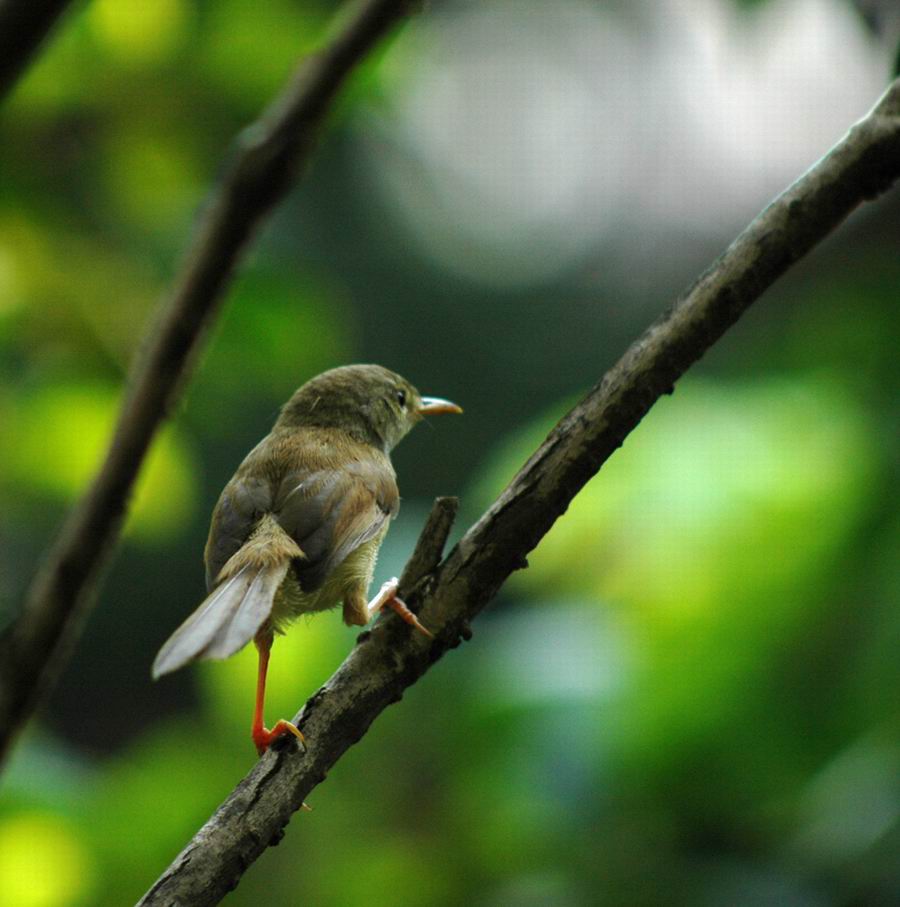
{"points": [[387, 598], [262, 736]]}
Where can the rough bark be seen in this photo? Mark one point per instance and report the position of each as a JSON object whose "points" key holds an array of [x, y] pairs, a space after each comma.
{"points": [[389, 658]]}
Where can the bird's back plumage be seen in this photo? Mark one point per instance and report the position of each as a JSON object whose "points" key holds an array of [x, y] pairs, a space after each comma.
{"points": [[282, 527]]}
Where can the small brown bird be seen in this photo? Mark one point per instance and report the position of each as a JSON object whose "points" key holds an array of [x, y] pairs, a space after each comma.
{"points": [[298, 527]]}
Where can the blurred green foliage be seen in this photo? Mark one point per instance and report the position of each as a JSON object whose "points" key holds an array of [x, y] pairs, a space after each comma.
{"points": [[690, 697]]}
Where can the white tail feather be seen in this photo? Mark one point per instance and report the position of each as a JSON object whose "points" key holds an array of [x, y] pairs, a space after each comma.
{"points": [[229, 617]]}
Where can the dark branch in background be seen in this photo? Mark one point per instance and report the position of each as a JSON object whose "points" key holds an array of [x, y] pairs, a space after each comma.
{"points": [[390, 658], [23, 26], [265, 161]]}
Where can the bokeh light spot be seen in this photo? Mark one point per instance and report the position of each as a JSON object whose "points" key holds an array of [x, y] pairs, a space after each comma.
{"points": [[42, 862], [139, 33], [60, 435]]}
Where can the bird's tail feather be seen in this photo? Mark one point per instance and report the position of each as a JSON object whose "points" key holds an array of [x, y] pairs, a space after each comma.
{"points": [[229, 617]]}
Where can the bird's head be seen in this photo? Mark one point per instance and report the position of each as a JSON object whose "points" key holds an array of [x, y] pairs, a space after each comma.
{"points": [[371, 403]]}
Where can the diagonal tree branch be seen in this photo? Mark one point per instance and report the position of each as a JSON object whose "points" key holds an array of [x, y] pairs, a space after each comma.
{"points": [[24, 24], [388, 659], [265, 161]]}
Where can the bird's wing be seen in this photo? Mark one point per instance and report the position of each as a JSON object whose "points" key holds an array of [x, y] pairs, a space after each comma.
{"points": [[331, 512], [328, 507], [242, 502]]}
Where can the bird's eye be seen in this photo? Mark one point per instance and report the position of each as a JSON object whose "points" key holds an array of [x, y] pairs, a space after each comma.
{"points": [[401, 397]]}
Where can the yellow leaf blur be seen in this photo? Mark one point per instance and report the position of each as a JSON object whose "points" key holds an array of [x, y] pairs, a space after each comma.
{"points": [[58, 437], [42, 862], [140, 33]]}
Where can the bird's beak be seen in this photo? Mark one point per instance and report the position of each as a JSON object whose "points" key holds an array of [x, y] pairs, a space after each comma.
{"points": [[432, 405]]}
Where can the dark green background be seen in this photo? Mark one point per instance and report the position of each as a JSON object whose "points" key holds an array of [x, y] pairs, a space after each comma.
{"points": [[692, 695]]}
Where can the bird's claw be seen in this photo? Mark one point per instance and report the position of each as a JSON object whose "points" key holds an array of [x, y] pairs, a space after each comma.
{"points": [[263, 737], [387, 598]]}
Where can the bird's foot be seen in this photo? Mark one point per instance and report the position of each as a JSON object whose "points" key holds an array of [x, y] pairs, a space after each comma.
{"points": [[263, 737], [387, 598]]}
